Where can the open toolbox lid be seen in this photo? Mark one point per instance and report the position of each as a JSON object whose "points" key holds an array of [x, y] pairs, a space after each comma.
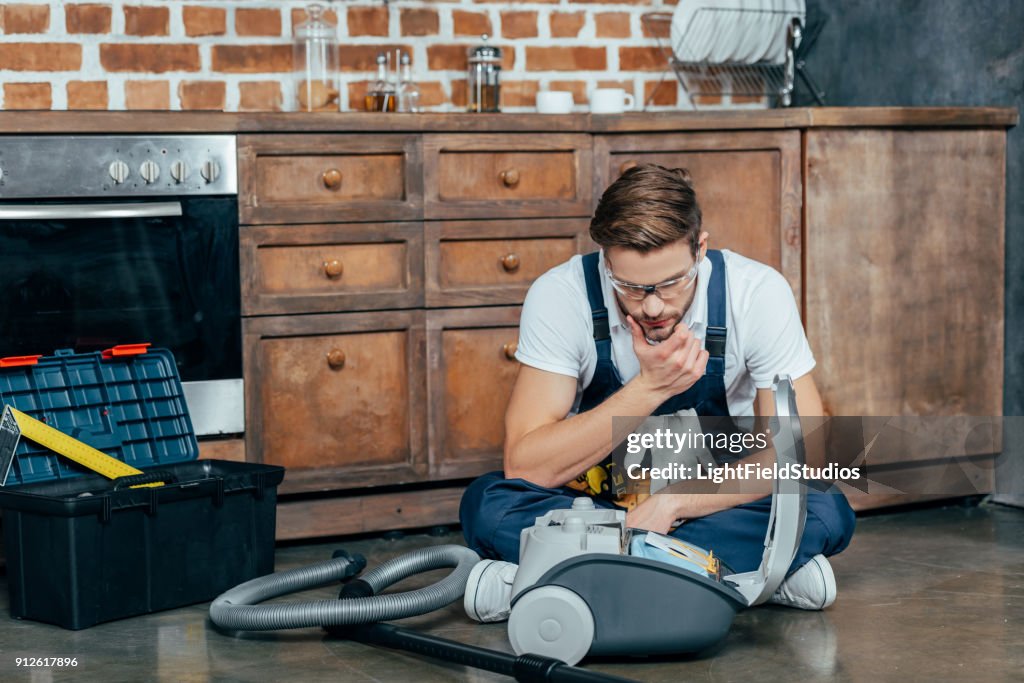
{"points": [[126, 401]]}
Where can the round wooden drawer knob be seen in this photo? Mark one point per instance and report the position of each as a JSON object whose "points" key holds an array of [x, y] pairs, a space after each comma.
{"points": [[510, 177], [510, 262], [510, 350], [626, 165], [333, 269], [332, 179], [336, 359]]}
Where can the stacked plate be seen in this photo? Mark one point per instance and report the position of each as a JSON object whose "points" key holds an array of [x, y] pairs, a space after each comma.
{"points": [[735, 31]]}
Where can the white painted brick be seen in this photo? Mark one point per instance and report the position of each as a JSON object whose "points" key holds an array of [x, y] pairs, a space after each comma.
{"points": [[205, 59], [115, 91], [176, 25], [59, 93], [394, 21], [91, 69], [175, 100], [117, 19], [58, 22]]}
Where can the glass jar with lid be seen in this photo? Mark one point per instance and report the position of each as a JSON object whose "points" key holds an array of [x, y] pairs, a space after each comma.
{"points": [[484, 77], [315, 62]]}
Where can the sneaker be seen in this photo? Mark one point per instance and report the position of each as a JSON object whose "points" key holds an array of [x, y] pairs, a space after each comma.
{"points": [[812, 586], [489, 591]]}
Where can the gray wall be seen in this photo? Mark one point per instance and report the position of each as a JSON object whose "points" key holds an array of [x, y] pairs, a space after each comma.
{"points": [[940, 52]]}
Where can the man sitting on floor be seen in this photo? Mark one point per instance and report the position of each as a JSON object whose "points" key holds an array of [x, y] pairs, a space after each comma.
{"points": [[653, 324]]}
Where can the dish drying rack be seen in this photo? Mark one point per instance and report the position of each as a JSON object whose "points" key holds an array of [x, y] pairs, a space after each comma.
{"points": [[705, 78]]}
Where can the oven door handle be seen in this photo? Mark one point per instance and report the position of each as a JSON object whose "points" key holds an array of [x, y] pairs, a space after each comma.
{"points": [[21, 212]]}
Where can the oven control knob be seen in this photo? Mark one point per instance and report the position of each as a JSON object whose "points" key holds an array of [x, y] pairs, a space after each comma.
{"points": [[149, 171], [179, 171], [210, 171], [118, 171]]}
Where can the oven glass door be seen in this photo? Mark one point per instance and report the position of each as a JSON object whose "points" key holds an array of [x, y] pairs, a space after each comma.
{"points": [[90, 276]]}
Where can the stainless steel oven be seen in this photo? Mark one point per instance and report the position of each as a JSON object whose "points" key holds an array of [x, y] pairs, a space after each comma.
{"points": [[113, 240]]}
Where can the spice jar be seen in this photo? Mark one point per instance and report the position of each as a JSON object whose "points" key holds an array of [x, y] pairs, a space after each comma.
{"points": [[315, 63], [484, 78]]}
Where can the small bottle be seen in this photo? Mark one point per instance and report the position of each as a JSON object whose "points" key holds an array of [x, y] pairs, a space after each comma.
{"points": [[408, 91], [381, 96]]}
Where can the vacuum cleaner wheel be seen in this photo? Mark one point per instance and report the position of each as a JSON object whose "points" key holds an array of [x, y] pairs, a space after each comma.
{"points": [[552, 621]]}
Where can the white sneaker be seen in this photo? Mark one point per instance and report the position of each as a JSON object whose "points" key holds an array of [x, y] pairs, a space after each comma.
{"points": [[489, 590], [812, 586]]}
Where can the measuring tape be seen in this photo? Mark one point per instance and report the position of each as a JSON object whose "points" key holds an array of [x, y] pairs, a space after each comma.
{"points": [[15, 424]]}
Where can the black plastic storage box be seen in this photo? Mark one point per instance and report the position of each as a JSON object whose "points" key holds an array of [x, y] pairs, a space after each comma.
{"points": [[82, 549]]}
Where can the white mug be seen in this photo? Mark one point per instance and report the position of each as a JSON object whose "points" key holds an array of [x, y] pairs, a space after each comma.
{"points": [[554, 102], [611, 101]]}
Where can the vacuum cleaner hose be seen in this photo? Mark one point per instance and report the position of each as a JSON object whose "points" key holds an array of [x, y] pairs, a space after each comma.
{"points": [[238, 608]]}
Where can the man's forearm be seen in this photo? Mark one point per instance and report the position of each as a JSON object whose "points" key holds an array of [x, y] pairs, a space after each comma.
{"points": [[556, 453]]}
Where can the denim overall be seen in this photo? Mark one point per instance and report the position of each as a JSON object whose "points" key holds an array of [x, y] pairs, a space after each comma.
{"points": [[495, 510]]}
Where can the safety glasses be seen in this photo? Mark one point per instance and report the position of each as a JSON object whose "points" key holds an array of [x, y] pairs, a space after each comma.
{"points": [[669, 289]]}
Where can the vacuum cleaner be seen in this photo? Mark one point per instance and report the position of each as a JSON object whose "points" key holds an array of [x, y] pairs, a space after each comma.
{"points": [[586, 585]]}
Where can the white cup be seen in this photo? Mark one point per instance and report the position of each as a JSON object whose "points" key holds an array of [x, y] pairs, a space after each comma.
{"points": [[611, 101], [554, 102]]}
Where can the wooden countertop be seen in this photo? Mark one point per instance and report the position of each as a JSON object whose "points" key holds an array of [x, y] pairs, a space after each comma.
{"points": [[85, 122]]}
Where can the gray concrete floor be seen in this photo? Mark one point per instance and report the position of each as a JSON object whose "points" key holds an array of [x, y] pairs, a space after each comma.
{"points": [[925, 595]]}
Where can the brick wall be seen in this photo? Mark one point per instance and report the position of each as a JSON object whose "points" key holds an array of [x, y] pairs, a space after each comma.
{"points": [[233, 55]]}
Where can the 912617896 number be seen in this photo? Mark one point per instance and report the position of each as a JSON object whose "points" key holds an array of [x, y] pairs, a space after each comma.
{"points": [[46, 661]]}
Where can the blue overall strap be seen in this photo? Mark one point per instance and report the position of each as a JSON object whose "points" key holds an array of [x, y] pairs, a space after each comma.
{"points": [[606, 380], [592, 274], [714, 340]]}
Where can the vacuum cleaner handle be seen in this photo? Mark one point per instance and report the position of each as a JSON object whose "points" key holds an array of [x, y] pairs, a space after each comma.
{"points": [[527, 668]]}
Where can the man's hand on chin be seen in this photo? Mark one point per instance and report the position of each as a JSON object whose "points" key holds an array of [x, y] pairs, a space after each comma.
{"points": [[657, 513]]}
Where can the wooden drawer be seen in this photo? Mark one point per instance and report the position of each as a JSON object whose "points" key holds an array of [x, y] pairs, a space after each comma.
{"points": [[331, 268], [471, 372], [329, 178], [337, 399], [493, 176], [748, 185], [494, 262]]}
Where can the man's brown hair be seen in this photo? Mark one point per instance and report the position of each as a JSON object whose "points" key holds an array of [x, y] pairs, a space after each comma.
{"points": [[647, 208]]}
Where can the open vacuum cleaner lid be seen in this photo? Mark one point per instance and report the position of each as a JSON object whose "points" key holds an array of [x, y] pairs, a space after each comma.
{"points": [[789, 502]]}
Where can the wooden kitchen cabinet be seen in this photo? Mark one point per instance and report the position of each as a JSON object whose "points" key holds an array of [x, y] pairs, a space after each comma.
{"points": [[748, 184], [897, 264], [325, 178], [379, 350], [471, 369], [904, 285]]}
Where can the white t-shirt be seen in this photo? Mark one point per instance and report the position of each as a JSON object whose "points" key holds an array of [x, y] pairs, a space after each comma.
{"points": [[765, 336]]}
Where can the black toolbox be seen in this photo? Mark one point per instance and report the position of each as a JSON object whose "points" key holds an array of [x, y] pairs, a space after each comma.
{"points": [[81, 549]]}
